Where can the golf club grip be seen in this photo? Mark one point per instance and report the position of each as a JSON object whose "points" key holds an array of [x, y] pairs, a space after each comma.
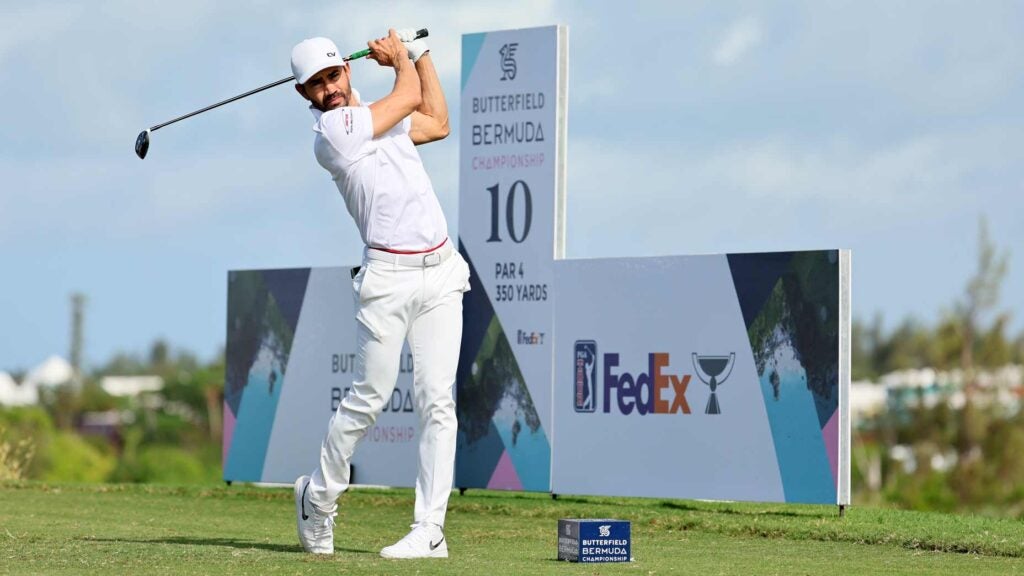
{"points": [[421, 33]]}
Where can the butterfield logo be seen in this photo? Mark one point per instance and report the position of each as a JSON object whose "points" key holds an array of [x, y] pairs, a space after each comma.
{"points": [[508, 61], [604, 531], [654, 391]]}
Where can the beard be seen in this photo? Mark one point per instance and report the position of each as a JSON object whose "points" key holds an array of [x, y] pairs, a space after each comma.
{"points": [[335, 100]]}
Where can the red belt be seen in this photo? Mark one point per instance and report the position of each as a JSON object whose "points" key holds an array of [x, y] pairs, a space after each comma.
{"points": [[428, 250]]}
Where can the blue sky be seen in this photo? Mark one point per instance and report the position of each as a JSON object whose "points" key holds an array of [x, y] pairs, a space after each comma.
{"points": [[695, 127]]}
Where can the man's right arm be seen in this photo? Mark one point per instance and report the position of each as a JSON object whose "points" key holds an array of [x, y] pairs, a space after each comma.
{"points": [[405, 97]]}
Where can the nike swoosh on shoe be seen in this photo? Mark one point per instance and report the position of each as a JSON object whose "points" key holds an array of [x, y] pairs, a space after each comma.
{"points": [[303, 500]]}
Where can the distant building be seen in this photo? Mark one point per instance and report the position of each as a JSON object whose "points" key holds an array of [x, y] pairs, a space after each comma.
{"points": [[54, 371], [106, 424], [905, 389], [867, 399], [11, 394], [131, 386]]}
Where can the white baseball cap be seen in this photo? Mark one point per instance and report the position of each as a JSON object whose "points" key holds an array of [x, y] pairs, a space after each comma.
{"points": [[313, 55]]}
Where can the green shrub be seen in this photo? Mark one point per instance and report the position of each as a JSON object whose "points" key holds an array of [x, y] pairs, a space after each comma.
{"points": [[15, 457], [27, 427], [170, 465], [73, 459]]}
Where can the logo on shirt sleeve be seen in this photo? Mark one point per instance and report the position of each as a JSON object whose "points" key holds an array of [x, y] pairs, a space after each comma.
{"points": [[346, 120]]}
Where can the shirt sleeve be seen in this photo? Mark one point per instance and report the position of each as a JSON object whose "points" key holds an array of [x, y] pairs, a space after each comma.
{"points": [[349, 130]]}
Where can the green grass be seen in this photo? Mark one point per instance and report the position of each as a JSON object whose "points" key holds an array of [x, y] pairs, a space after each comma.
{"points": [[118, 529]]}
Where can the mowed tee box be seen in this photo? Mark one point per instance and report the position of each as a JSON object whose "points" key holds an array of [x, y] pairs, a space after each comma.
{"points": [[594, 540]]}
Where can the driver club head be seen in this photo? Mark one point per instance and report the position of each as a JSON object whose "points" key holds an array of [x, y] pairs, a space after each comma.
{"points": [[142, 144]]}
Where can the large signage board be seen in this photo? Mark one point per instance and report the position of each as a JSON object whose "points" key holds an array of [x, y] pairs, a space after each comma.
{"points": [[511, 227], [720, 376], [291, 349], [703, 377]]}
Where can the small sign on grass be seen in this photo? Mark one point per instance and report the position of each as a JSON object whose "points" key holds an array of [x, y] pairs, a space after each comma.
{"points": [[594, 540]]}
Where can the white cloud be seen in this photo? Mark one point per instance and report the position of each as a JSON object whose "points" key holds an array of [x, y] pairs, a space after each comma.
{"points": [[798, 186], [738, 40], [915, 169], [125, 198], [859, 125]]}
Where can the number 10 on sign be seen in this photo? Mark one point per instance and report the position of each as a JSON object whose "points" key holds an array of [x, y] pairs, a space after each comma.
{"points": [[510, 213]]}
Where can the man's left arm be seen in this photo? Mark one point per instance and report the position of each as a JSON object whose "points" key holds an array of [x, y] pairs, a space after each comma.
{"points": [[430, 119]]}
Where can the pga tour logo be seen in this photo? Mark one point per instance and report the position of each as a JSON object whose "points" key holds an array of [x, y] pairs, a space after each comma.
{"points": [[584, 375], [657, 390]]}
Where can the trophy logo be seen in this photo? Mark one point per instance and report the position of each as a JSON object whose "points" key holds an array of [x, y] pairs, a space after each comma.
{"points": [[584, 375], [713, 371]]}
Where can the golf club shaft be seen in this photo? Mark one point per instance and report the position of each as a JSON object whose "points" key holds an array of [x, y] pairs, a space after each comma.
{"points": [[422, 33], [228, 101]]}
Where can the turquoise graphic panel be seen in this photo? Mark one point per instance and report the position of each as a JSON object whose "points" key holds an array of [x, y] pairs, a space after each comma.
{"points": [[790, 302], [502, 444], [471, 45], [263, 313]]}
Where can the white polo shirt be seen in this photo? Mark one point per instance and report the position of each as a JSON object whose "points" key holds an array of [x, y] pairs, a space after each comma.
{"points": [[385, 187]]}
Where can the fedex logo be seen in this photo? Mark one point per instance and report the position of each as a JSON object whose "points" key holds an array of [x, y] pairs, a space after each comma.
{"points": [[648, 392]]}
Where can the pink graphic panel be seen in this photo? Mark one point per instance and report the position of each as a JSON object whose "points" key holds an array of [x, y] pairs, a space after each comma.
{"points": [[229, 431], [505, 476], [830, 433]]}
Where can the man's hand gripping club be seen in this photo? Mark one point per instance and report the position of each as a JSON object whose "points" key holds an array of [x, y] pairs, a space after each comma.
{"points": [[405, 97]]}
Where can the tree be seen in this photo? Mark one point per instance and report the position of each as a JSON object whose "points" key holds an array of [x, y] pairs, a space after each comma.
{"points": [[910, 346], [980, 296], [947, 342], [867, 348], [159, 354], [993, 348], [1017, 350], [122, 364], [860, 352]]}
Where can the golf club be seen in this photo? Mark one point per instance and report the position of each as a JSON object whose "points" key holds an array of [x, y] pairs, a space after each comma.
{"points": [[142, 142]]}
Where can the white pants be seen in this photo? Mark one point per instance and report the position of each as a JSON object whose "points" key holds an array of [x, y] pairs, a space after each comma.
{"points": [[423, 304]]}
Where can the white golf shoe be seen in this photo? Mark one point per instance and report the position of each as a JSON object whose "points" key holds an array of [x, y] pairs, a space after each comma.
{"points": [[316, 529], [424, 541]]}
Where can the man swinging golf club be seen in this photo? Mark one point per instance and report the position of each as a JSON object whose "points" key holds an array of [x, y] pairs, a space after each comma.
{"points": [[410, 284]]}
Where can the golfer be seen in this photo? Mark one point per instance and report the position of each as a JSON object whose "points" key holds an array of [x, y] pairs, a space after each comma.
{"points": [[409, 286]]}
